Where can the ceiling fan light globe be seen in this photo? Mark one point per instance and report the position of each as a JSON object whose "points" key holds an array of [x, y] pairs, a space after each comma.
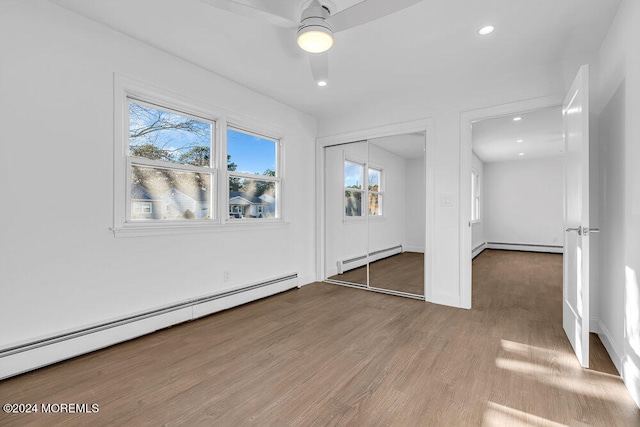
{"points": [[315, 39]]}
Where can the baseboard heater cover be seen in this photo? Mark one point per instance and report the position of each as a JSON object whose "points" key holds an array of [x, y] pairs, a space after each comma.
{"points": [[141, 316], [478, 250], [359, 261], [525, 247]]}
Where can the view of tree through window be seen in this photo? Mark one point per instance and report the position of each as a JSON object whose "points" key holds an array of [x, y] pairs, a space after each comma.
{"points": [[354, 191], [171, 171], [253, 177], [160, 135], [375, 192]]}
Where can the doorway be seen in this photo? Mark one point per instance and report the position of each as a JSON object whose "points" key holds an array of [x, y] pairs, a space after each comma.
{"points": [[575, 189], [517, 175]]}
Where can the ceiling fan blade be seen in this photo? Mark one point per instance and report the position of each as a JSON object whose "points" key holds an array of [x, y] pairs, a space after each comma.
{"points": [[366, 11], [277, 12], [319, 66]]}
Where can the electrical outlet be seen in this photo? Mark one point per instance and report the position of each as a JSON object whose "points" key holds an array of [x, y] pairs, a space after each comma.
{"points": [[226, 276]]}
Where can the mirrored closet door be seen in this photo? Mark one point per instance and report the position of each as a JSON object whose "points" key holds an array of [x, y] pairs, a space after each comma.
{"points": [[375, 214]]}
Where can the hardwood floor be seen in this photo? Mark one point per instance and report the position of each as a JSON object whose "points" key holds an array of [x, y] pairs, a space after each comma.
{"points": [[402, 272], [332, 355]]}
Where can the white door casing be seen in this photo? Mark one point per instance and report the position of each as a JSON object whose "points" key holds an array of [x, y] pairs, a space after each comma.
{"points": [[575, 286]]}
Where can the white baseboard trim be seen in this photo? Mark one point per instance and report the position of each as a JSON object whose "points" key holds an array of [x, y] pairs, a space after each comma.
{"points": [[525, 247], [478, 249], [417, 249], [610, 346], [594, 326], [25, 357]]}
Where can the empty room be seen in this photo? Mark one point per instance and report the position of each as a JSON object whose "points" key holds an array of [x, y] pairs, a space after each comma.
{"points": [[320, 212]]}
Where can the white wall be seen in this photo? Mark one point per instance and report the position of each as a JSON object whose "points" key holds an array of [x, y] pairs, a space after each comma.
{"points": [[62, 268], [523, 201], [390, 229], [618, 105], [477, 228]]}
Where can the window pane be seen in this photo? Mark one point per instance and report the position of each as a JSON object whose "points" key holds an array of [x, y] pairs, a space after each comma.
{"points": [[353, 203], [165, 194], [353, 173], [374, 204], [250, 154], [160, 135], [374, 180], [251, 198]]}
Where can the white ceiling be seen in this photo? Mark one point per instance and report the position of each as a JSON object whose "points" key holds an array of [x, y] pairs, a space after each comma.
{"points": [[496, 139], [408, 146], [416, 50]]}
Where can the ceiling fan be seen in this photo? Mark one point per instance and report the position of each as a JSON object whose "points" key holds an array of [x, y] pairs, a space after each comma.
{"points": [[316, 24]]}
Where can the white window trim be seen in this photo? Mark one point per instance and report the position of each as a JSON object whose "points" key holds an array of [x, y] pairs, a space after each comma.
{"points": [[264, 134], [381, 187], [357, 160], [125, 88], [351, 158]]}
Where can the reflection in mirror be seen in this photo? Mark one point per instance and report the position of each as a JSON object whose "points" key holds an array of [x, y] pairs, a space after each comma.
{"points": [[346, 213], [396, 208]]}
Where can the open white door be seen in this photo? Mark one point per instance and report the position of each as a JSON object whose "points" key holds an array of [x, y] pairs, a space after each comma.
{"points": [[575, 289]]}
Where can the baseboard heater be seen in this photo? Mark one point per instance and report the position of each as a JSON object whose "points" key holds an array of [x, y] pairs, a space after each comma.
{"points": [[478, 250], [527, 247], [144, 315], [359, 261]]}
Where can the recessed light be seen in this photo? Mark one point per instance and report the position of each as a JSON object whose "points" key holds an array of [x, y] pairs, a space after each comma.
{"points": [[520, 140], [322, 83], [517, 119], [520, 154], [486, 30]]}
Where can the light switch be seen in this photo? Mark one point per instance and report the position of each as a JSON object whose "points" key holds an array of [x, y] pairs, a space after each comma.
{"points": [[446, 200]]}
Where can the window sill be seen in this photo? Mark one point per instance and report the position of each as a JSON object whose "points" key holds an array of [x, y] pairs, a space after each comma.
{"points": [[361, 219], [144, 230]]}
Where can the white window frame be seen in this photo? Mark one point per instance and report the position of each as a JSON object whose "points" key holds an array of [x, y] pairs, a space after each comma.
{"points": [[364, 207], [476, 195], [380, 191], [125, 88], [366, 167], [211, 170], [277, 179]]}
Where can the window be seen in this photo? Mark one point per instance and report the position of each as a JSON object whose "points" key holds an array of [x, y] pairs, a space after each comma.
{"points": [[355, 193], [254, 174], [353, 189], [375, 192], [169, 168], [475, 196], [169, 164]]}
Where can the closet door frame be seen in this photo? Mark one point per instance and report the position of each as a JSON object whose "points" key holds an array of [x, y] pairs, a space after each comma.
{"points": [[424, 125]]}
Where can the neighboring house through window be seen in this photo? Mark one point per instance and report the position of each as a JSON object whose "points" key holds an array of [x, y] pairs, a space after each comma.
{"points": [[254, 175], [169, 164], [171, 174]]}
